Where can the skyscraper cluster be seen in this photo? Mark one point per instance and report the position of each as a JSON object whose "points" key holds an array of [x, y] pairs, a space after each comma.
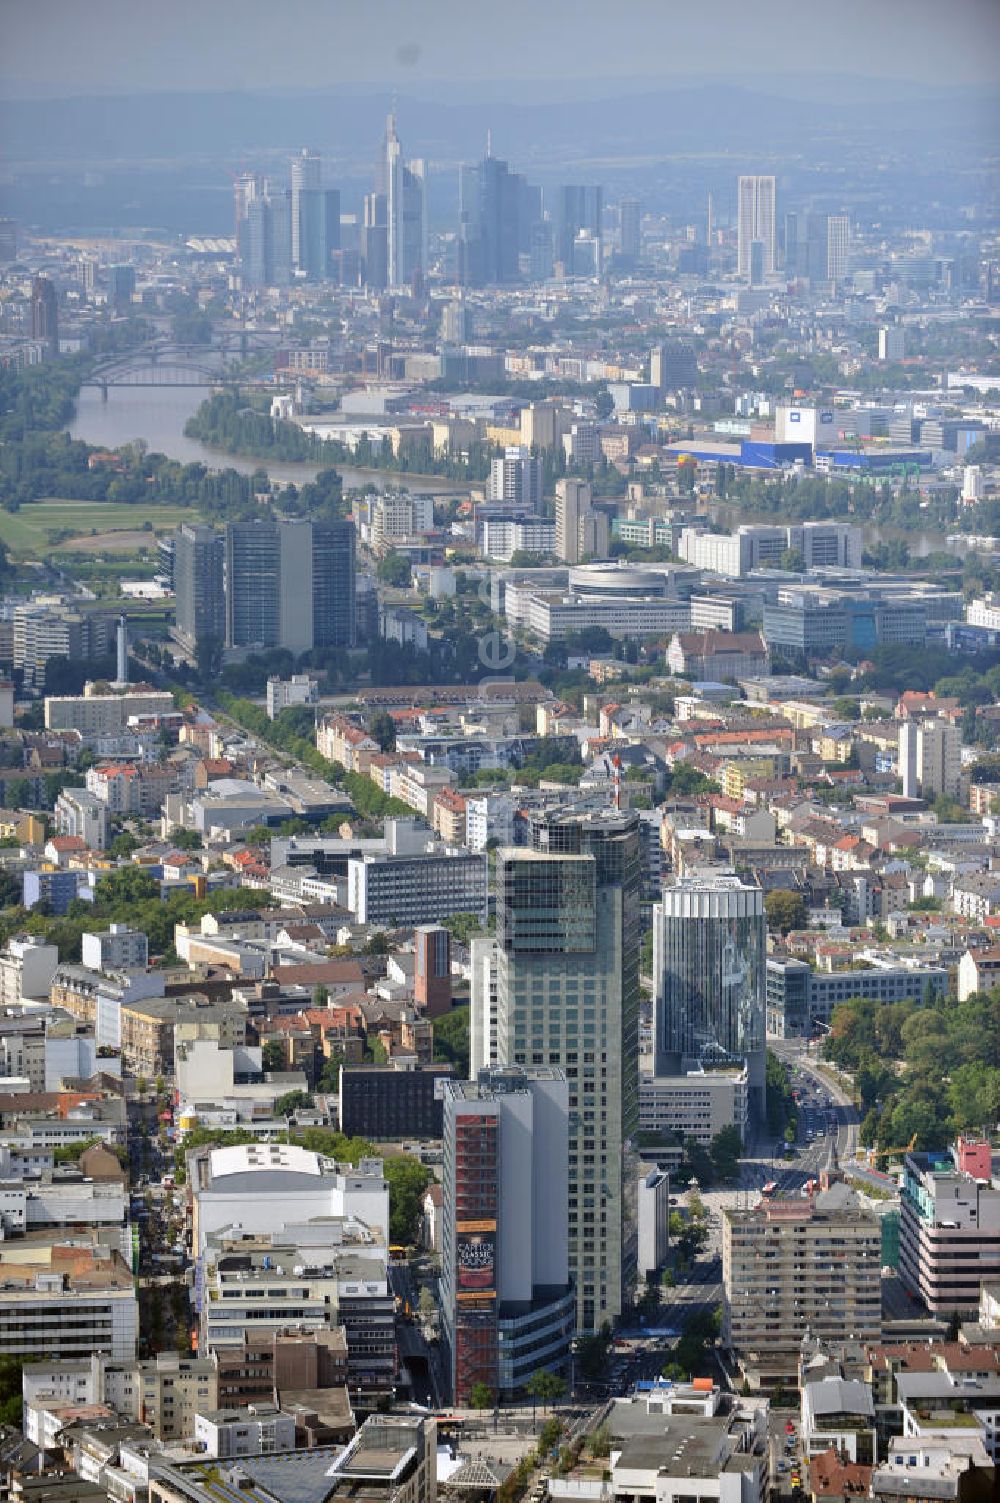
{"points": [[756, 240], [288, 231], [816, 245], [500, 219], [284, 232]]}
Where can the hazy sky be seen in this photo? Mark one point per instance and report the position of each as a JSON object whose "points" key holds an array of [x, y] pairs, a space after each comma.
{"points": [[67, 47]]}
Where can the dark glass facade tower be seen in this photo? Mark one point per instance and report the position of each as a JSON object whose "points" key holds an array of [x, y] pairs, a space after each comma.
{"points": [[333, 584], [709, 968], [198, 560], [253, 583]]}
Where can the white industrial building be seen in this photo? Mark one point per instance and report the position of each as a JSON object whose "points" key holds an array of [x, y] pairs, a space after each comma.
{"points": [[262, 1187]]}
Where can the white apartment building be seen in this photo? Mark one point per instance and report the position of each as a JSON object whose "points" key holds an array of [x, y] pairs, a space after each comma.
{"points": [[95, 715], [930, 758], [985, 611], [505, 536], [117, 948], [400, 515], [490, 816], [256, 1431], [79, 812], [283, 693], [165, 1392], [516, 476], [26, 970], [736, 554], [792, 1266]]}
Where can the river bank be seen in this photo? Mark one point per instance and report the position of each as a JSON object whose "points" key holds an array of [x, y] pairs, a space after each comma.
{"points": [[159, 414]]}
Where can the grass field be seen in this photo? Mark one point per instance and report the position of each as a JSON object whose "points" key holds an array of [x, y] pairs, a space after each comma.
{"points": [[27, 532]]}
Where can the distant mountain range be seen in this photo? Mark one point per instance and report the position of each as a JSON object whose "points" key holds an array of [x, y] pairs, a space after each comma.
{"points": [[531, 123]]}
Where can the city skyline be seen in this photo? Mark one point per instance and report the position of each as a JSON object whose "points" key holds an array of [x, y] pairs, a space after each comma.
{"points": [[500, 700]]}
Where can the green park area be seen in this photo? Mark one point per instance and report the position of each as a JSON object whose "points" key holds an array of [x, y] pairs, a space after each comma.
{"points": [[38, 527]]}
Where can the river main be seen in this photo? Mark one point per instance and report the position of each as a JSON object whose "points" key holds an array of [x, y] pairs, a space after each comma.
{"points": [[158, 415]]}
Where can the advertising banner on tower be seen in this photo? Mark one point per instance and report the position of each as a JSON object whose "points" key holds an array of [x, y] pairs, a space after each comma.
{"points": [[476, 1260]]}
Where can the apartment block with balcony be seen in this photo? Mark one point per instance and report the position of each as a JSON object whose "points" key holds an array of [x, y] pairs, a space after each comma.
{"points": [[792, 1266], [949, 1227]]}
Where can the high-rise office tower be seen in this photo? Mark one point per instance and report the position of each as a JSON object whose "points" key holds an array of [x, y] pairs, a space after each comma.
{"points": [[375, 242], [793, 244], [672, 367], [572, 500], [8, 239], [264, 236], [838, 242], [45, 314], [246, 188], [578, 210], [581, 531], [318, 221], [253, 583], [307, 173], [828, 238], [121, 287], [567, 996], [756, 222], [432, 969], [333, 583], [290, 583], [498, 214], [516, 476], [891, 342], [506, 1302], [121, 651], [709, 976], [540, 251], [406, 211], [456, 323], [630, 229], [199, 554]]}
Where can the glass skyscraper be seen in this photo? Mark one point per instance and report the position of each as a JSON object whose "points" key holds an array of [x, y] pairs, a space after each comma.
{"points": [[709, 969]]}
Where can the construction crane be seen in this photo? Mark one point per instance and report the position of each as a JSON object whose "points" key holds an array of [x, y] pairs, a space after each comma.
{"points": [[890, 1153]]}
